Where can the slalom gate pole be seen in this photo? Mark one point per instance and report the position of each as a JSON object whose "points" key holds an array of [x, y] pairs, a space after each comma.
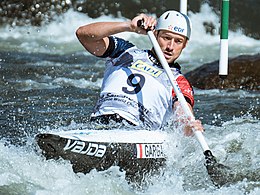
{"points": [[183, 6], [223, 60]]}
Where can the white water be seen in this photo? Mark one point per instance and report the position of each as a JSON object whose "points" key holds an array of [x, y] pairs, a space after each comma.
{"points": [[23, 171], [59, 37], [235, 143]]}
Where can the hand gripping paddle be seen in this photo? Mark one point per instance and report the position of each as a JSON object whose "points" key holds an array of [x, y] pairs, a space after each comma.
{"points": [[219, 174]]}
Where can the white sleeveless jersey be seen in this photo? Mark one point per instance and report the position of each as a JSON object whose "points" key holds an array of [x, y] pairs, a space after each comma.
{"points": [[136, 89]]}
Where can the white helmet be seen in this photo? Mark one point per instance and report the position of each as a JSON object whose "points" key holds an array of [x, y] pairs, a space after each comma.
{"points": [[176, 22]]}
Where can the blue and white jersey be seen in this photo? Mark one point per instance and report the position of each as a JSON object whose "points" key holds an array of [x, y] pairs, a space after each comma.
{"points": [[135, 87]]}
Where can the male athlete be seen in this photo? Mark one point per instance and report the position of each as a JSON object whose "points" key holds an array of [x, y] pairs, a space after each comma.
{"points": [[135, 87]]}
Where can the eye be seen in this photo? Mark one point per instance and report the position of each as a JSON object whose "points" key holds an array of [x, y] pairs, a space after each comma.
{"points": [[179, 41], [167, 38]]}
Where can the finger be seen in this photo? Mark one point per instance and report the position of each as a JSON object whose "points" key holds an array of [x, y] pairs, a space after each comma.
{"points": [[151, 22], [148, 22]]}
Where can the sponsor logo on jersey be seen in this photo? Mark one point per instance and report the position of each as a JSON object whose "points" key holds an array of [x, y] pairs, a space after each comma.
{"points": [[90, 149], [150, 151], [144, 67]]}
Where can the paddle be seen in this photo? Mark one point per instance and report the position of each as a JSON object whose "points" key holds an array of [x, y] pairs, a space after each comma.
{"points": [[219, 174]]}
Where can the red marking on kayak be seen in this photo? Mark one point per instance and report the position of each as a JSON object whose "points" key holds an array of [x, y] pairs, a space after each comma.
{"points": [[141, 151]]}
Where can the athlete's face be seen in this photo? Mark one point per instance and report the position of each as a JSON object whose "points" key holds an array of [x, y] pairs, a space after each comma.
{"points": [[171, 44]]}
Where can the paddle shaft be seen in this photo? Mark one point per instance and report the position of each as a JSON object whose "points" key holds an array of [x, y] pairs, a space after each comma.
{"points": [[177, 89]]}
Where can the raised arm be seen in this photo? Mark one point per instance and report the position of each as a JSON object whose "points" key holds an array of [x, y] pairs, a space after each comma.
{"points": [[94, 37]]}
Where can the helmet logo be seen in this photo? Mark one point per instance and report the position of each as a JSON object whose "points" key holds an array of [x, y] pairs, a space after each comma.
{"points": [[170, 27], [178, 29]]}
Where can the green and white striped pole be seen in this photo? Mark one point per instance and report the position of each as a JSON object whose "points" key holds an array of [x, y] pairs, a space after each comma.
{"points": [[223, 60]]}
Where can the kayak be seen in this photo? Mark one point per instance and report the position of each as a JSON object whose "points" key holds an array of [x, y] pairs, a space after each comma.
{"points": [[137, 152]]}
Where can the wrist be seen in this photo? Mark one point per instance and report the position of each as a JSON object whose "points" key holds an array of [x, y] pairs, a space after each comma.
{"points": [[128, 26]]}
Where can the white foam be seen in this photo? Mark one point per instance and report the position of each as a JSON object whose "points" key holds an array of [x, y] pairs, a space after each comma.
{"points": [[58, 37], [27, 172]]}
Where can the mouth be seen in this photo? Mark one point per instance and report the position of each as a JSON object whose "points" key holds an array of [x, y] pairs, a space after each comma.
{"points": [[167, 55]]}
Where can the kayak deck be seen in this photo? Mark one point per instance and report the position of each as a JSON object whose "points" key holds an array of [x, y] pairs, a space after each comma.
{"points": [[136, 153]]}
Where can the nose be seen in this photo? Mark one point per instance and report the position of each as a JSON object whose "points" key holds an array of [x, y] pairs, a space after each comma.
{"points": [[171, 44]]}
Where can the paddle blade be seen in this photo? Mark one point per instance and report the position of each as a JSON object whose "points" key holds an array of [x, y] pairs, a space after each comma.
{"points": [[219, 173]]}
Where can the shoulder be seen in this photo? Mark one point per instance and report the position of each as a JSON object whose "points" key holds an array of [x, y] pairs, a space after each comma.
{"points": [[186, 89], [116, 47]]}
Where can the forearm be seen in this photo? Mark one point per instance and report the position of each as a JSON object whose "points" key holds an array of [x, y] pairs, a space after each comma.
{"points": [[94, 37]]}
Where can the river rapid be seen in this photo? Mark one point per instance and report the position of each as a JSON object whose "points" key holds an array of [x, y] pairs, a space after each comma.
{"points": [[48, 82]]}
